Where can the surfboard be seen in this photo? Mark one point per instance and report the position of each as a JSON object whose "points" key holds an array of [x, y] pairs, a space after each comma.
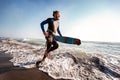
{"points": [[68, 40]]}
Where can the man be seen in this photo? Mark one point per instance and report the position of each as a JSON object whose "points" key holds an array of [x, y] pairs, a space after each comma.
{"points": [[53, 27]]}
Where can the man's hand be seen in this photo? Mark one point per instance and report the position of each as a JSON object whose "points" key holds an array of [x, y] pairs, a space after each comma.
{"points": [[53, 33], [46, 34]]}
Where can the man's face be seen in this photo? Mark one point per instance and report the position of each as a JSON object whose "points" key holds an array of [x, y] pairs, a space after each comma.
{"points": [[57, 16]]}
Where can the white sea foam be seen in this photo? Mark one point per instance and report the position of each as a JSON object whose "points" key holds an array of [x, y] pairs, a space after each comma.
{"points": [[63, 64]]}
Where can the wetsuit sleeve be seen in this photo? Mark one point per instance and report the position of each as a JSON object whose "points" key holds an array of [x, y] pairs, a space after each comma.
{"points": [[58, 30], [42, 25], [45, 22]]}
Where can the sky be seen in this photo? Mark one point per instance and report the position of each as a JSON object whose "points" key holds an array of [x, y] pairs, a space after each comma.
{"points": [[88, 20]]}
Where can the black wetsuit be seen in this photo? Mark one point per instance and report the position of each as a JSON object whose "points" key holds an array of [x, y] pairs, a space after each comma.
{"points": [[51, 42]]}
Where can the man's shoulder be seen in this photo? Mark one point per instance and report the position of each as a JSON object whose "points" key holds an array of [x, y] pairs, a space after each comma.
{"points": [[50, 19]]}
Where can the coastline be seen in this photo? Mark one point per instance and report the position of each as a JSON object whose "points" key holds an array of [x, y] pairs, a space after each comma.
{"points": [[10, 72], [67, 63]]}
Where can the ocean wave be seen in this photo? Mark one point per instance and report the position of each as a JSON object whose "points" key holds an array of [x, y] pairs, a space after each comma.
{"points": [[65, 62]]}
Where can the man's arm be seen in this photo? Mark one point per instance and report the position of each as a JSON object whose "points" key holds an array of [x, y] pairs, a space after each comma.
{"points": [[42, 25], [45, 22], [58, 30]]}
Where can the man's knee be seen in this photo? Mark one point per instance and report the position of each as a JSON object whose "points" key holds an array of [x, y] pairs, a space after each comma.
{"points": [[56, 46]]}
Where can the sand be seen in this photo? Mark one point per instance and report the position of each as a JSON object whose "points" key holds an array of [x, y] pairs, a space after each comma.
{"points": [[10, 72]]}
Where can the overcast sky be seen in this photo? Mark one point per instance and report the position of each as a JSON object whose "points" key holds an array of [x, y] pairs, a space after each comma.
{"points": [[90, 20]]}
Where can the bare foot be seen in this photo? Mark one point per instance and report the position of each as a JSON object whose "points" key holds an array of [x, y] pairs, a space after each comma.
{"points": [[39, 62]]}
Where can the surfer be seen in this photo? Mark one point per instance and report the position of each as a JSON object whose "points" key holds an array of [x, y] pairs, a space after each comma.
{"points": [[53, 27]]}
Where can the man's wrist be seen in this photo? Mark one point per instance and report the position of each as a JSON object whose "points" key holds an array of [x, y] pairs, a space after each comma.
{"points": [[54, 33]]}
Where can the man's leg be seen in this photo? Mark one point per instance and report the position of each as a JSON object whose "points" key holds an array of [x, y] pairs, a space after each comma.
{"points": [[50, 47], [45, 54], [54, 46], [49, 44]]}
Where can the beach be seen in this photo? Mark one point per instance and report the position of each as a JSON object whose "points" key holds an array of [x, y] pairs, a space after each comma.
{"points": [[10, 72], [18, 57]]}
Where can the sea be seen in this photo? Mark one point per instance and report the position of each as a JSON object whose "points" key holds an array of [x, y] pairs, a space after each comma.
{"points": [[108, 52], [109, 48], [23, 56]]}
